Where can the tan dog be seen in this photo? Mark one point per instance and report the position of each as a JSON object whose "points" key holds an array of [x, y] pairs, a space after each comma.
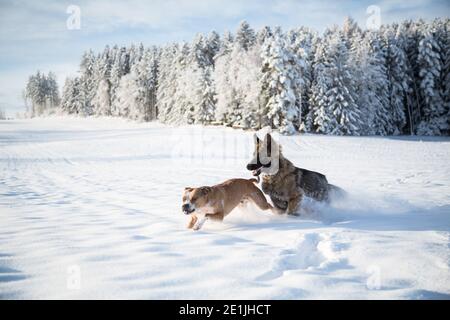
{"points": [[218, 201]]}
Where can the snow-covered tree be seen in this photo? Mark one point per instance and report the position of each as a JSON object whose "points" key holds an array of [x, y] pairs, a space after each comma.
{"points": [[237, 77], [396, 65], [204, 100], [72, 101], [263, 34], [120, 67], [433, 119], [212, 47], [378, 85], [333, 92], [102, 99], [281, 84], [42, 91], [303, 42], [245, 36], [347, 81], [88, 81], [136, 90]]}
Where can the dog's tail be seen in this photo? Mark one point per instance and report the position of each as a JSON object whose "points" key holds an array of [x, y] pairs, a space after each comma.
{"points": [[335, 192], [254, 180]]}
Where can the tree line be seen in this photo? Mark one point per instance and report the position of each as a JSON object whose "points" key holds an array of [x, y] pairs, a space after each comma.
{"points": [[345, 81]]}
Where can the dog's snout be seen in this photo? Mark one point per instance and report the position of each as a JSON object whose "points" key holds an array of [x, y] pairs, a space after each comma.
{"points": [[187, 208]]}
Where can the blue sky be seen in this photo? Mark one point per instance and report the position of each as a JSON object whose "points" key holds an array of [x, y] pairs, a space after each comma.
{"points": [[34, 35]]}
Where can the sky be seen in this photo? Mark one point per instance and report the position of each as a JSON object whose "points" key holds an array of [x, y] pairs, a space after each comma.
{"points": [[42, 35]]}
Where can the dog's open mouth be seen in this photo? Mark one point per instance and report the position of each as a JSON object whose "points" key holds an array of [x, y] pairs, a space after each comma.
{"points": [[256, 172], [188, 211]]}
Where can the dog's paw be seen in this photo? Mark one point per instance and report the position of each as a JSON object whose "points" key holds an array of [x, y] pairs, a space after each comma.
{"points": [[199, 224]]}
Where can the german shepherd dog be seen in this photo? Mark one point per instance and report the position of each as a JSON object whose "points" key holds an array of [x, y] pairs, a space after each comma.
{"points": [[284, 183]]}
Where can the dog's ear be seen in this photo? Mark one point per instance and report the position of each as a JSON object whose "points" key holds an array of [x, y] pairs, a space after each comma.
{"points": [[205, 190], [188, 189]]}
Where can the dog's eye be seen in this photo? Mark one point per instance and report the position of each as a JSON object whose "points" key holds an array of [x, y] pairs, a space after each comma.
{"points": [[193, 199]]}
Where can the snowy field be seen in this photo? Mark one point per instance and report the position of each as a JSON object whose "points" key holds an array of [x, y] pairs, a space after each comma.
{"points": [[90, 208]]}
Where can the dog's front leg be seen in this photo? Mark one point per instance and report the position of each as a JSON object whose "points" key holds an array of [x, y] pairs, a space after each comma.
{"points": [[199, 223], [191, 223]]}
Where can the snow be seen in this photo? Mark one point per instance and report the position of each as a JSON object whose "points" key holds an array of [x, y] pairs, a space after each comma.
{"points": [[90, 208]]}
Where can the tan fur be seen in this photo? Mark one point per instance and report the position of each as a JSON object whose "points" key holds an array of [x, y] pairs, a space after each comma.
{"points": [[218, 201]]}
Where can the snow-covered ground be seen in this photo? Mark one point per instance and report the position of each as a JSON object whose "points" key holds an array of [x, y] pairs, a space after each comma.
{"points": [[90, 208]]}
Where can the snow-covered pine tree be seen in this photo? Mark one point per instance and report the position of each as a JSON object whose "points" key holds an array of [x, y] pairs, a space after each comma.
{"points": [[229, 109], [147, 70], [247, 86], [212, 47], [377, 79], [127, 95], [262, 34], [362, 71], [222, 80], [446, 70], [35, 94], [350, 31], [196, 81], [87, 79], [442, 34], [433, 113], [72, 100], [186, 68], [333, 92], [120, 67], [138, 88], [204, 101], [51, 91], [303, 42], [281, 84], [319, 117], [245, 36], [412, 34], [42, 91], [396, 68], [102, 100], [226, 45], [167, 83]]}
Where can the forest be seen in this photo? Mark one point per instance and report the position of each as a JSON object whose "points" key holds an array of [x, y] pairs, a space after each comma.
{"points": [[344, 81]]}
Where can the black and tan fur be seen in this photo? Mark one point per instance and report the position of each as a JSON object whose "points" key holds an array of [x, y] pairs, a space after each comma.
{"points": [[287, 184]]}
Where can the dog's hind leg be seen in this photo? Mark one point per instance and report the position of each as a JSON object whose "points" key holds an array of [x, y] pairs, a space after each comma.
{"points": [[260, 200], [294, 204]]}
